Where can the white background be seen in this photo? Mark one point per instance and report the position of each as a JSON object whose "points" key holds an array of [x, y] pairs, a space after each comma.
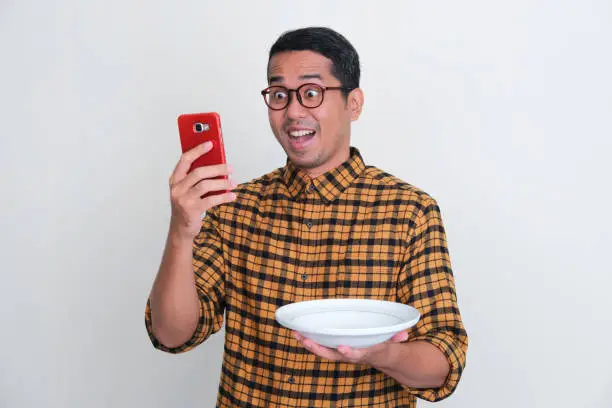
{"points": [[500, 110]]}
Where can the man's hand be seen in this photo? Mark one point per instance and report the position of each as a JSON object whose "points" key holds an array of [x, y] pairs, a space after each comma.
{"points": [[187, 191], [375, 355]]}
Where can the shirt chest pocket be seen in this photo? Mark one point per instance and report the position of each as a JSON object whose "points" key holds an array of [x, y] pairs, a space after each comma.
{"points": [[369, 265]]}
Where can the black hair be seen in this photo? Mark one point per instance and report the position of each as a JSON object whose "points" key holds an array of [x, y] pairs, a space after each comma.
{"points": [[329, 43]]}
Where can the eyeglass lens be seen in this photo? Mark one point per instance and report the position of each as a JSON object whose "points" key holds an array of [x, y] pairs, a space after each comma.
{"points": [[309, 95]]}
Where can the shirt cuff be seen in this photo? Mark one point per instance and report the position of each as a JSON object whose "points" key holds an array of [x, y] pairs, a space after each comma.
{"points": [[455, 356], [201, 332]]}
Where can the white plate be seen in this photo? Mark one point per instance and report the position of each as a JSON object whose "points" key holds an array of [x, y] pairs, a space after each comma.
{"points": [[350, 322]]}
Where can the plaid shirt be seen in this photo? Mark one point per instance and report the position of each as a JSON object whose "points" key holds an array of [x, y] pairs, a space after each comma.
{"points": [[352, 232]]}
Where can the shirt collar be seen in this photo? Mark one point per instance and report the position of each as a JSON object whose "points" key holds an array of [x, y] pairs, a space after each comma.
{"points": [[329, 185]]}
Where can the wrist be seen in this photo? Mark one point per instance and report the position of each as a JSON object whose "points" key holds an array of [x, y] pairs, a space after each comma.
{"points": [[179, 238], [386, 357]]}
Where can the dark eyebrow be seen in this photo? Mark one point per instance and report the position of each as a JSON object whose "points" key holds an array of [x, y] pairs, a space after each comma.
{"points": [[278, 78], [311, 76]]}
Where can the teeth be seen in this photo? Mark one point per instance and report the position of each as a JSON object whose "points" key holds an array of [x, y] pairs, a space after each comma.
{"points": [[300, 133]]}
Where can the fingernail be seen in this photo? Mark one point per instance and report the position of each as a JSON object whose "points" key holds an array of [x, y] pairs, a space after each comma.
{"points": [[208, 145]]}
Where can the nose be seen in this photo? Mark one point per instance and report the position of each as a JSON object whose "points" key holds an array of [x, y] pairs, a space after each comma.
{"points": [[295, 108]]}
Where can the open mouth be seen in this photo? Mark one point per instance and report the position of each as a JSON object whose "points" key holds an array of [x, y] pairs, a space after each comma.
{"points": [[301, 138], [296, 134]]}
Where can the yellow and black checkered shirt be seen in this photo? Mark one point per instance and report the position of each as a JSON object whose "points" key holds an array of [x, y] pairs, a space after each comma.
{"points": [[354, 232]]}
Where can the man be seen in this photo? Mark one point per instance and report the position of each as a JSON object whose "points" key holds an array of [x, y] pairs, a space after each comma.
{"points": [[323, 226]]}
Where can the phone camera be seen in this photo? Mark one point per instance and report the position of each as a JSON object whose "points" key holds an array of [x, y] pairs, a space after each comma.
{"points": [[200, 127]]}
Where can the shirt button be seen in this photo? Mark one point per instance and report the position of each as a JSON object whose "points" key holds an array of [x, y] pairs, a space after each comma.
{"points": [[311, 187], [304, 277], [309, 224], [291, 380]]}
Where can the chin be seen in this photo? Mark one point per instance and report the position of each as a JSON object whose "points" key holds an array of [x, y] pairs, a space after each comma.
{"points": [[301, 160], [307, 162]]}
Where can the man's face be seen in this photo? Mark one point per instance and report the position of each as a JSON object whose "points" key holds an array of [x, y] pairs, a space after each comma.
{"points": [[315, 139]]}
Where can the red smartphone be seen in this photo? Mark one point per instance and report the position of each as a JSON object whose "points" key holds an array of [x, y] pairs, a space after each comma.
{"points": [[197, 128]]}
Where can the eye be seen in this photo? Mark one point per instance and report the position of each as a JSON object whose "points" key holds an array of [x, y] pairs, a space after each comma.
{"points": [[312, 93], [279, 95]]}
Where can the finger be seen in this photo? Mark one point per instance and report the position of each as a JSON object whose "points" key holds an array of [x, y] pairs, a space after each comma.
{"points": [[207, 186], [205, 172], [187, 158], [322, 351], [399, 337], [199, 174], [215, 200], [351, 353]]}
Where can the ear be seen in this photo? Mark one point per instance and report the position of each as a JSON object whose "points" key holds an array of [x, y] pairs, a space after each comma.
{"points": [[355, 103]]}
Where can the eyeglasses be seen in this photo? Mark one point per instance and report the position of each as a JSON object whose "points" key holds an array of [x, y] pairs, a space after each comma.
{"points": [[308, 95]]}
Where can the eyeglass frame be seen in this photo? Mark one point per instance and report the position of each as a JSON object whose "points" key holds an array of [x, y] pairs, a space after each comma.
{"points": [[299, 97]]}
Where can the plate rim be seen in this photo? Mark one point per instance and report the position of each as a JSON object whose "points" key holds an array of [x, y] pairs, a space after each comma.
{"points": [[281, 312]]}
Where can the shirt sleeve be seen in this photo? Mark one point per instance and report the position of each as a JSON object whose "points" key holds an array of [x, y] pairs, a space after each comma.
{"points": [[209, 268], [427, 283]]}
